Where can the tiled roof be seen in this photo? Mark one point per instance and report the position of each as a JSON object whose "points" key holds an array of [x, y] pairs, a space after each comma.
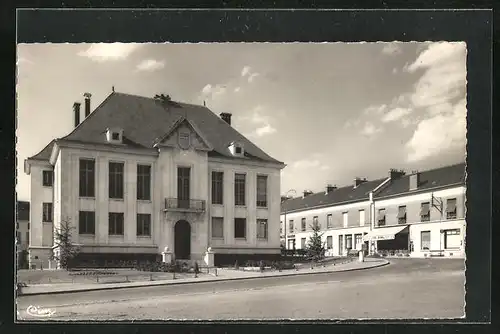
{"points": [[144, 120], [23, 210], [339, 195], [434, 178], [45, 153]]}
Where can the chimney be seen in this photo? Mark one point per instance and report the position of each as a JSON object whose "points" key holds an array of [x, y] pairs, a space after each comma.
{"points": [[395, 174], [358, 181], [307, 193], [76, 110], [87, 104], [226, 117], [330, 188], [414, 180]]}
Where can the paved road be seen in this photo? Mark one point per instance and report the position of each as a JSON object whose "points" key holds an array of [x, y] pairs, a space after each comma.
{"points": [[407, 288]]}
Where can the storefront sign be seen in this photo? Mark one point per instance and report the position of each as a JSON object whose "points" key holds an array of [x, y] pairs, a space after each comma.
{"points": [[383, 237]]}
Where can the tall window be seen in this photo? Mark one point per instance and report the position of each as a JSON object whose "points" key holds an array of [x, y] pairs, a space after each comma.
{"points": [[381, 217], [48, 178], [217, 227], [345, 219], [47, 212], [451, 208], [115, 226], [217, 187], [329, 221], [116, 180], [358, 240], [361, 217], [329, 242], [144, 182], [425, 212], [86, 222], [341, 244], [87, 178], [303, 243], [262, 229], [290, 226], [239, 189], [315, 222], [303, 224], [143, 224], [402, 214], [240, 228], [348, 241], [452, 239], [262, 191], [425, 240]]}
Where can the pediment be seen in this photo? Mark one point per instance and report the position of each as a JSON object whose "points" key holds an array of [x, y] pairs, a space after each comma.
{"points": [[185, 136]]}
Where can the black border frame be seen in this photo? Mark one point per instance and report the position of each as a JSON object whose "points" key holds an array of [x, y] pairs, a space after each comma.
{"points": [[472, 26]]}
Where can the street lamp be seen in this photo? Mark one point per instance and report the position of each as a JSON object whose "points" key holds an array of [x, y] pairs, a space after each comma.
{"points": [[285, 222]]}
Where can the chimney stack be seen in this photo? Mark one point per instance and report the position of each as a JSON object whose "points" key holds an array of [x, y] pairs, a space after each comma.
{"points": [[76, 110], [226, 117], [87, 104], [414, 180], [358, 181], [395, 174], [307, 193], [330, 188]]}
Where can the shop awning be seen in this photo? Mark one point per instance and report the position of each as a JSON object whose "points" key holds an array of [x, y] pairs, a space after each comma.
{"points": [[384, 233]]}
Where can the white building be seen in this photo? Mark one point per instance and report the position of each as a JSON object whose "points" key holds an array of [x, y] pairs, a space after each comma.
{"points": [[140, 174], [421, 214], [342, 213]]}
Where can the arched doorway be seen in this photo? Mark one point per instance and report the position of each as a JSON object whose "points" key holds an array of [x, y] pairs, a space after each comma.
{"points": [[182, 240]]}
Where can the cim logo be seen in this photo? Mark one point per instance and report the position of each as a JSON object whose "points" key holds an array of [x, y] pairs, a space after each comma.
{"points": [[36, 311]]}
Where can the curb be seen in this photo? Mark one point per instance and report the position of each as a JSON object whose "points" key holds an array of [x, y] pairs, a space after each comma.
{"points": [[200, 281]]}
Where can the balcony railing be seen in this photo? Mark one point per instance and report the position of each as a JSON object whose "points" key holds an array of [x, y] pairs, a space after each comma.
{"points": [[181, 205]]}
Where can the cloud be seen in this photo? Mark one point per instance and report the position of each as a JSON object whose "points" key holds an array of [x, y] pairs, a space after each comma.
{"points": [[370, 130], [391, 49], [252, 77], [441, 132], [102, 52], [441, 84], [213, 92], [263, 123], [394, 70], [375, 110], [237, 89], [324, 167], [395, 114], [150, 65], [265, 130], [23, 60], [245, 71], [310, 163], [444, 74]]}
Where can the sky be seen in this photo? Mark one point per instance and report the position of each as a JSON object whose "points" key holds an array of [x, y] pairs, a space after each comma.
{"points": [[330, 111]]}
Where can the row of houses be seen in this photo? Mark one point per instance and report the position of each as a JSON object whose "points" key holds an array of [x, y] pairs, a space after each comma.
{"points": [[420, 214]]}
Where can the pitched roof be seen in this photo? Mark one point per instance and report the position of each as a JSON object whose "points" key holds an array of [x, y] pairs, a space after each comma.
{"points": [[145, 120], [339, 195], [434, 178], [23, 210], [45, 153]]}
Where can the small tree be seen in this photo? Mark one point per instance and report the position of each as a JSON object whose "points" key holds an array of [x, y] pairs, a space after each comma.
{"points": [[65, 249], [315, 246]]}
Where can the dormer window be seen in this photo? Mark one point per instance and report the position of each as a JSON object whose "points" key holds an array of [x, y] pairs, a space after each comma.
{"points": [[237, 149], [114, 135]]}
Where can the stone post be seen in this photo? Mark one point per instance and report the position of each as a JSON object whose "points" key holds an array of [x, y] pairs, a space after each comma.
{"points": [[166, 255], [209, 257], [361, 256]]}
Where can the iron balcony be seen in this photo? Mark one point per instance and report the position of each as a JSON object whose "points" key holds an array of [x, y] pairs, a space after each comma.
{"points": [[181, 205]]}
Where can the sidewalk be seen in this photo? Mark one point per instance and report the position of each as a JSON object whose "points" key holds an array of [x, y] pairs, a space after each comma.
{"points": [[225, 274]]}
